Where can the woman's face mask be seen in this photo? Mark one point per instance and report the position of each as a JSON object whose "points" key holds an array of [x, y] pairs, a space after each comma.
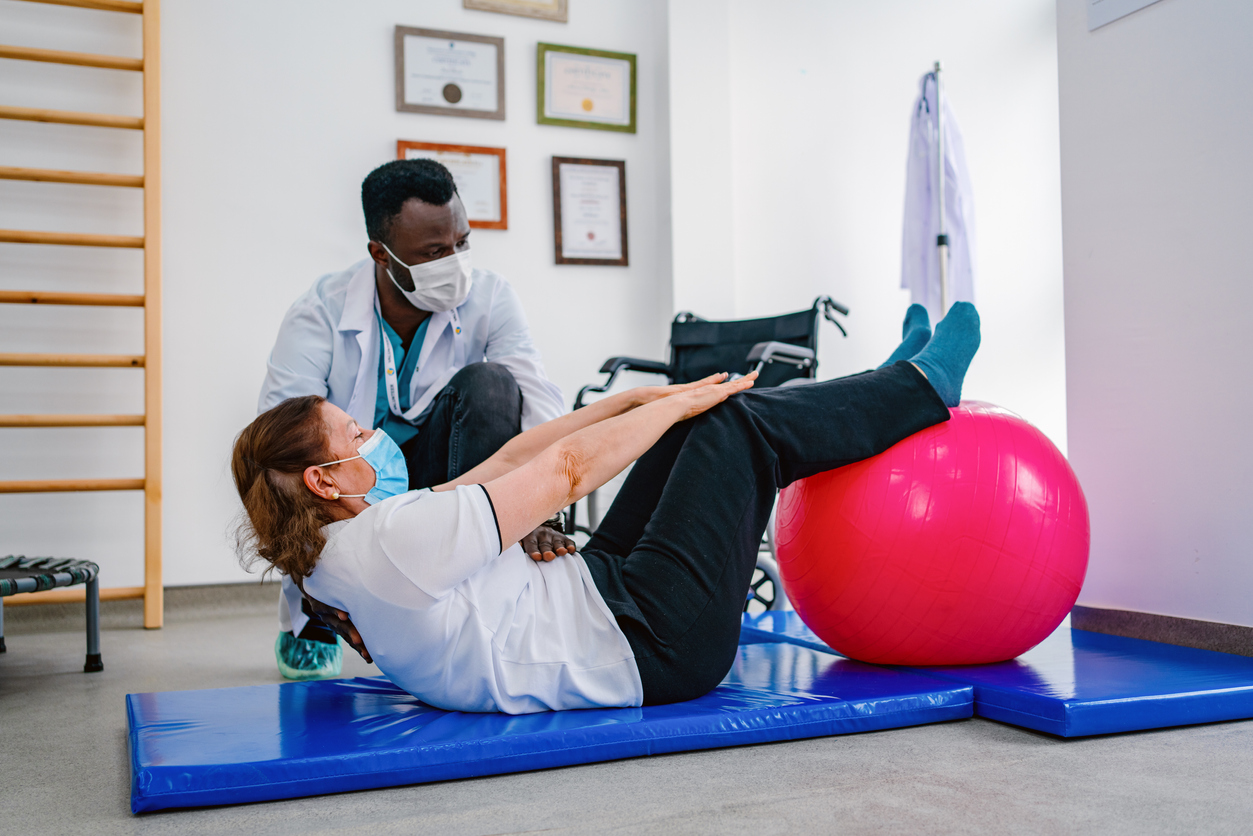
{"points": [[391, 473], [438, 285]]}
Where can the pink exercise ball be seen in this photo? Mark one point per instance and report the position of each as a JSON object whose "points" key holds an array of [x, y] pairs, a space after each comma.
{"points": [[963, 544]]}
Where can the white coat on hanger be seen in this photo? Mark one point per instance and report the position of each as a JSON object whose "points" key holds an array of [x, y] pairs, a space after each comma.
{"points": [[920, 265]]}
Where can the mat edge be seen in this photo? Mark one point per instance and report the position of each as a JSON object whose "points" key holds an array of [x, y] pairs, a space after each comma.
{"points": [[958, 705]]}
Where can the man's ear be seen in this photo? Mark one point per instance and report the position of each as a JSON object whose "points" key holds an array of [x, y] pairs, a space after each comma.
{"points": [[317, 480], [378, 253]]}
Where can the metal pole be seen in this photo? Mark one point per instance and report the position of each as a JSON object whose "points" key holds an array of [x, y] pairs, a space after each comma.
{"points": [[941, 240], [93, 663], [593, 512]]}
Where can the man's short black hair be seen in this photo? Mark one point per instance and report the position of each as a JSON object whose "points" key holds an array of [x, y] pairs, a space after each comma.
{"points": [[387, 187]]}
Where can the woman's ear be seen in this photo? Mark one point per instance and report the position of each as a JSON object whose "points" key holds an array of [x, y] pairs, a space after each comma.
{"points": [[317, 480]]}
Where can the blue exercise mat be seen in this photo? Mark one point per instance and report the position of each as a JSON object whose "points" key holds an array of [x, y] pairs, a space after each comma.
{"points": [[233, 745], [1077, 683]]}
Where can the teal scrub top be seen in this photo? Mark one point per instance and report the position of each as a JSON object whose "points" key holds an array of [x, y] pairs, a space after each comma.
{"points": [[397, 428]]}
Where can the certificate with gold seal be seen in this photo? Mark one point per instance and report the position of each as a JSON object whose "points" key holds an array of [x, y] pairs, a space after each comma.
{"points": [[586, 88], [450, 73]]}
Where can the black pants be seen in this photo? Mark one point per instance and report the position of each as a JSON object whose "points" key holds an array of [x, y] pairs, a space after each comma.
{"points": [[476, 413], [674, 556]]}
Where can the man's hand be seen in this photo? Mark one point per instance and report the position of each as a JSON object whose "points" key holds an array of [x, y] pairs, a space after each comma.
{"points": [[545, 544], [339, 621]]}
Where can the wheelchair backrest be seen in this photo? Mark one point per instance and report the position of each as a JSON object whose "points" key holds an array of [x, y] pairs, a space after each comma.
{"points": [[700, 347]]}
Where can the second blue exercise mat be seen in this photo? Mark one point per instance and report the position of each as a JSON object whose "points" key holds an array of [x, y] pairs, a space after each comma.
{"points": [[1077, 683], [232, 745]]}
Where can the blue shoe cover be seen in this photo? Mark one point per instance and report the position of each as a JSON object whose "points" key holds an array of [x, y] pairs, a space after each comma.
{"points": [[305, 659]]}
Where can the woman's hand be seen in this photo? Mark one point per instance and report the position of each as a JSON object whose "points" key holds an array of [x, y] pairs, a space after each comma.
{"points": [[648, 394], [546, 544], [704, 395]]}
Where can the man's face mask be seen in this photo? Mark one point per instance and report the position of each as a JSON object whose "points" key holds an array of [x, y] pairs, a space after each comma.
{"points": [[439, 285], [391, 474]]}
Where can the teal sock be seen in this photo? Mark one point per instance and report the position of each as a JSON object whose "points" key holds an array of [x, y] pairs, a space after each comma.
{"points": [[947, 356], [915, 333]]}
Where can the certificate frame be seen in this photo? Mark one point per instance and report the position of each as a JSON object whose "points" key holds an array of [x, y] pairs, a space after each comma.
{"points": [[403, 106], [543, 112], [524, 8], [558, 248], [404, 145]]}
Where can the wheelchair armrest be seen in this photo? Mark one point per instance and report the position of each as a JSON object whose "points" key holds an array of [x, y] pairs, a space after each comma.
{"points": [[616, 364], [769, 352]]}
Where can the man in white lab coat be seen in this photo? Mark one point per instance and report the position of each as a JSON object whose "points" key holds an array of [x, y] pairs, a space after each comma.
{"points": [[418, 343]]}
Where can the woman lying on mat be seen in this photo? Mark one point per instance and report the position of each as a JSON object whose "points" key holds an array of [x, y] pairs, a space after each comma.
{"points": [[455, 613]]}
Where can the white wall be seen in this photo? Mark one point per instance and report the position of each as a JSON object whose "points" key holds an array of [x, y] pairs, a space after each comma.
{"points": [[700, 136], [821, 92], [273, 114], [1156, 120]]}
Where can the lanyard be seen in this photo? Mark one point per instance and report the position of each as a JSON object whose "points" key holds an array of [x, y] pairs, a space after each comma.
{"points": [[391, 374]]}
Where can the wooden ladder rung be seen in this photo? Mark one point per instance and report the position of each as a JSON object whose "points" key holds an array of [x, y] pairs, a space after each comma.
{"points": [[86, 178], [72, 595], [102, 5], [71, 485], [71, 117], [150, 242], [77, 59], [71, 420], [78, 360], [41, 297], [72, 239]]}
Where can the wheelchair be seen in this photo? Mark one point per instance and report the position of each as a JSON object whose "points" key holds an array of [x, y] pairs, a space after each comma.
{"points": [[783, 350]]}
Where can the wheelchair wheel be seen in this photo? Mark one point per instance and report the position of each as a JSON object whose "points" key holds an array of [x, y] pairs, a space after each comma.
{"points": [[766, 591]]}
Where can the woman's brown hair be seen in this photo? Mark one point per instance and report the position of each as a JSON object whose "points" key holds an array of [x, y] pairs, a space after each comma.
{"points": [[284, 518]]}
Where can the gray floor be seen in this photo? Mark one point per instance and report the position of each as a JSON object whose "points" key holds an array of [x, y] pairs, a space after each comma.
{"points": [[64, 767]]}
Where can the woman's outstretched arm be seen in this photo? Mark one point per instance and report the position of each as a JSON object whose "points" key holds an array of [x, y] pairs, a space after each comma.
{"points": [[581, 461], [523, 447]]}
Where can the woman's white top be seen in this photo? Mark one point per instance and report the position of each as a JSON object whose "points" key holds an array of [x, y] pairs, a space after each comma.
{"points": [[464, 627]]}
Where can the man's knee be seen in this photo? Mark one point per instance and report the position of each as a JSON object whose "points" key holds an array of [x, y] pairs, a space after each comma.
{"points": [[489, 383]]}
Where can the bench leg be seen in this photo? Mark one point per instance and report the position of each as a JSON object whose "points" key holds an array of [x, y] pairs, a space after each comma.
{"points": [[2, 647], [93, 627]]}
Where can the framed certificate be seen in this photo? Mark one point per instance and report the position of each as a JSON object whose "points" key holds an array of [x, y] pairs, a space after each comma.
{"points": [[586, 88], [479, 173], [543, 9], [450, 73], [589, 211]]}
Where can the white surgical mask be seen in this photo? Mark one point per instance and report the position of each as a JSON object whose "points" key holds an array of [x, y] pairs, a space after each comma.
{"points": [[439, 285]]}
